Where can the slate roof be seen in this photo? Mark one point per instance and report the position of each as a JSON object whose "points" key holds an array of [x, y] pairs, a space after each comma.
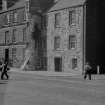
{"points": [[43, 5], [18, 4], [61, 4]]}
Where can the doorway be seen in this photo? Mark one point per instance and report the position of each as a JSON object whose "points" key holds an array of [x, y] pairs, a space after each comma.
{"points": [[58, 64], [6, 55]]}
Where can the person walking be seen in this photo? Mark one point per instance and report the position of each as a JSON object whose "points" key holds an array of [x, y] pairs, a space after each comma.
{"points": [[87, 71], [4, 71], [0, 65]]}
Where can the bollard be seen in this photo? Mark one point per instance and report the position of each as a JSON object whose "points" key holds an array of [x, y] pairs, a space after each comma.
{"points": [[98, 69], [98, 72]]}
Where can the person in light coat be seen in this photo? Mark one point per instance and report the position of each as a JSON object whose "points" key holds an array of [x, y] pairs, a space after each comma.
{"points": [[87, 71]]}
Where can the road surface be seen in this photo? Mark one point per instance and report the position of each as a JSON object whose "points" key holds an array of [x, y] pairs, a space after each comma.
{"points": [[31, 89]]}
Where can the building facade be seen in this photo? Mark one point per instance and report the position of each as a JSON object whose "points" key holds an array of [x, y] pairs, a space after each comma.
{"points": [[53, 35], [19, 41], [13, 34], [75, 35], [65, 36]]}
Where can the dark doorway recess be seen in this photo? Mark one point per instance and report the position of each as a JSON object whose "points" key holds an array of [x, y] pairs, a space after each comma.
{"points": [[6, 55], [58, 64]]}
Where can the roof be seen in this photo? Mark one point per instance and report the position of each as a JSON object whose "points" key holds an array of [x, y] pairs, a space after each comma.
{"points": [[41, 4], [61, 4], [35, 5], [18, 4]]}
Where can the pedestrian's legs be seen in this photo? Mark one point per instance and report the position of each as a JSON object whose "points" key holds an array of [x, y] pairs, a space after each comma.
{"points": [[85, 76], [2, 75], [6, 75]]}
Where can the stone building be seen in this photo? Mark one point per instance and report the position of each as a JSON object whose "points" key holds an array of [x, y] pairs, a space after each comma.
{"points": [[22, 38], [13, 35], [53, 35], [73, 35], [65, 36]]}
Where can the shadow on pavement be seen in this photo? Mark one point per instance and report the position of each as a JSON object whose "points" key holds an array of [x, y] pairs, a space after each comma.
{"points": [[3, 83]]}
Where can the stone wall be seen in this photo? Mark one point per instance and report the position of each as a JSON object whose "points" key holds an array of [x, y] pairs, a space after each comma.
{"points": [[16, 41], [64, 31]]}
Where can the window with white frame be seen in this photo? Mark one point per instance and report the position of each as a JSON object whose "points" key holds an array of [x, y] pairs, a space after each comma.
{"points": [[56, 42], [8, 18], [72, 42], [14, 55], [26, 16], [15, 16], [7, 37], [72, 17], [27, 5], [24, 34], [57, 19], [14, 52], [74, 63]]}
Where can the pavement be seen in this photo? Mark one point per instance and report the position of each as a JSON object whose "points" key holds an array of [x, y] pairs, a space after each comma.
{"points": [[37, 88], [50, 88], [45, 73], [57, 74]]}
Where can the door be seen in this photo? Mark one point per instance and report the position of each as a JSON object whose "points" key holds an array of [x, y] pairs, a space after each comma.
{"points": [[58, 64]]}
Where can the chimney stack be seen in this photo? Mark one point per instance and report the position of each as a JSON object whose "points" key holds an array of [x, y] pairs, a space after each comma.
{"points": [[4, 4]]}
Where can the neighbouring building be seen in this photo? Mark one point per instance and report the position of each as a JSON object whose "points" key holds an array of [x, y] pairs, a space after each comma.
{"points": [[22, 38], [73, 35], [14, 32]]}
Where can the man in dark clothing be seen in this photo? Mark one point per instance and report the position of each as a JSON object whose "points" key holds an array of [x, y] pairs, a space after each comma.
{"points": [[4, 71], [87, 71], [0, 66]]}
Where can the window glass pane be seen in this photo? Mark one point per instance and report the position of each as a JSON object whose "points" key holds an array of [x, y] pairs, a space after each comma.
{"points": [[14, 55], [72, 17], [74, 63], [5, 19], [56, 42], [72, 41], [14, 16], [24, 35], [7, 37], [8, 18], [25, 15], [57, 19], [14, 35]]}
